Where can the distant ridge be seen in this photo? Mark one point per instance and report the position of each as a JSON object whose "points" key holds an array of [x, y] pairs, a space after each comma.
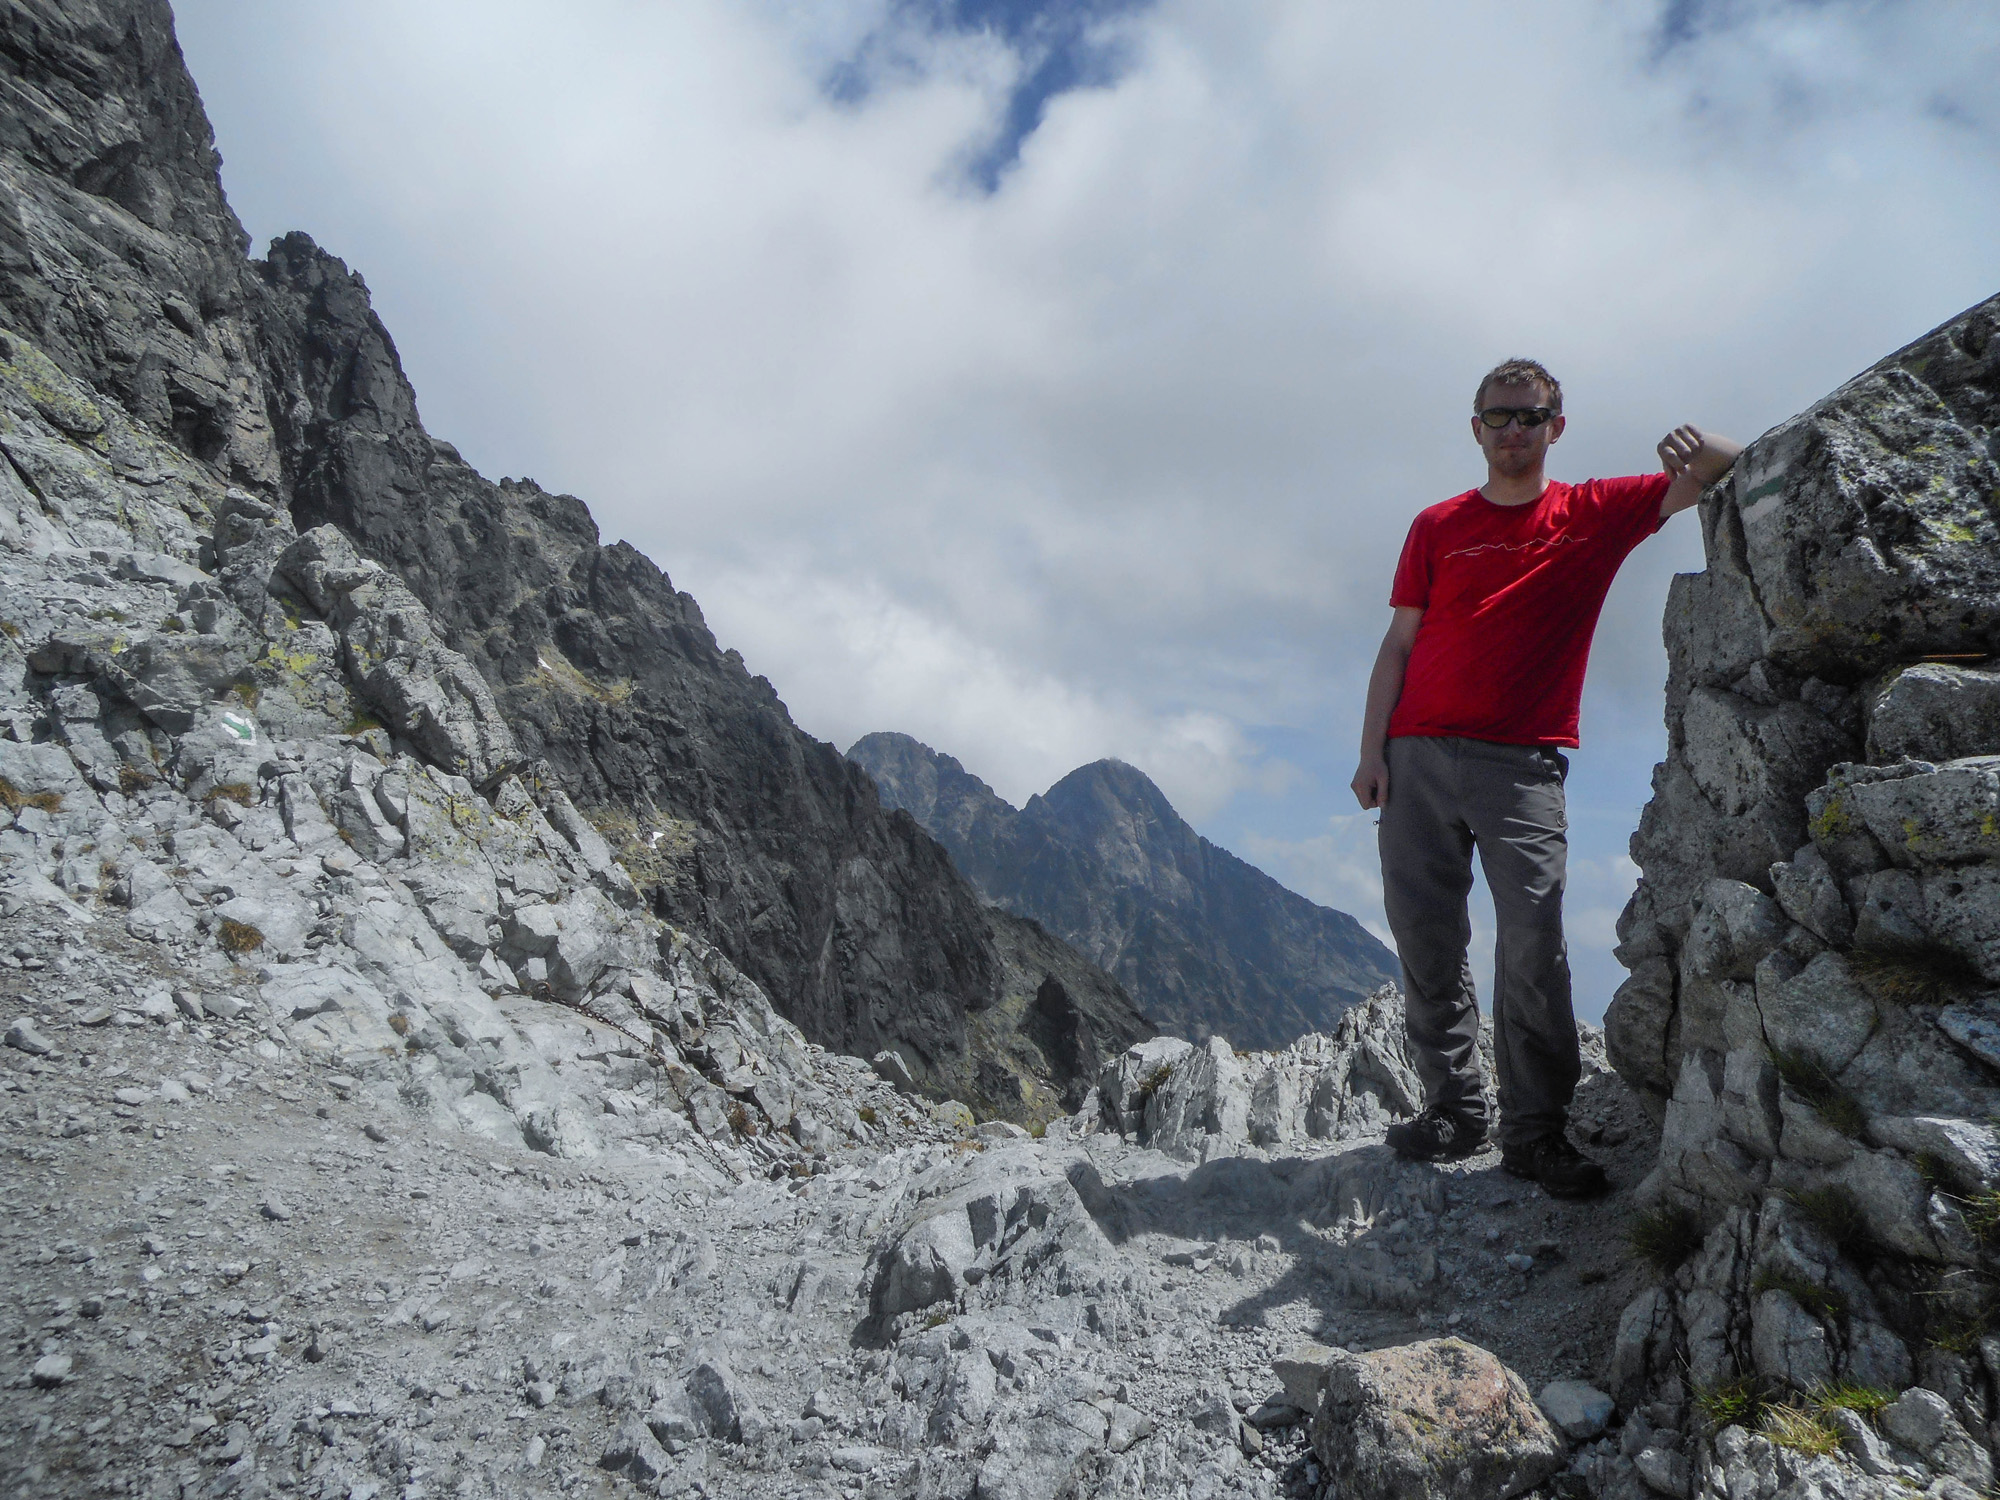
{"points": [[1205, 943]]}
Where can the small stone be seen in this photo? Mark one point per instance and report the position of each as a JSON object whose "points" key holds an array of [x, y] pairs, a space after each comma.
{"points": [[375, 1133], [51, 1370], [157, 1007], [1213, 1412], [531, 1457], [228, 1007], [1581, 1411], [635, 1451], [175, 1092], [1522, 1263], [190, 1004], [893, 1070], [23, 1037], [1664, 1472], [132, 1096], [540, 1392], [97, 1015], [152, 1244], [1128, 1427], [275, 1208]]}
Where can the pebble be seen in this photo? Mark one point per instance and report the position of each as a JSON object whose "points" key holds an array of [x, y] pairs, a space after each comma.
{"points": [[23, 1037], [275, 1208], [51, 1370]]}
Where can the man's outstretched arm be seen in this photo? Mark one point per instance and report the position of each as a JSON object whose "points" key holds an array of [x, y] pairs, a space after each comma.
{"points": [[1385, 686], [1696, 459]]}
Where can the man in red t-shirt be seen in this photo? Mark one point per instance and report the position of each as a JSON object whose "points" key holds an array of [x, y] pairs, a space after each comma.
{"points": [[1475, 690]]}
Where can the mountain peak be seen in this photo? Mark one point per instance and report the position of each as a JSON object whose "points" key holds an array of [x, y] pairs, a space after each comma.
{"points": [[1205, 943]]}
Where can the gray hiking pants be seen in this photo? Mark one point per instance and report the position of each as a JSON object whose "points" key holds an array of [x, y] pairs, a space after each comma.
{"points": [[1446, 797]]}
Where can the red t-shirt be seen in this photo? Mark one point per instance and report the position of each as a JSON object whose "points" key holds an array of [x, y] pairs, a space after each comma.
{"points": [[1510, 595]]}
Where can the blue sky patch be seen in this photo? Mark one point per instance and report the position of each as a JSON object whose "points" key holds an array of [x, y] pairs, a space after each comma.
{"points": [[1061, 44]]}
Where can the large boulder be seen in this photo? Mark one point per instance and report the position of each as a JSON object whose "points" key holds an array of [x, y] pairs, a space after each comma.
{"points": [[1438, 1420]]}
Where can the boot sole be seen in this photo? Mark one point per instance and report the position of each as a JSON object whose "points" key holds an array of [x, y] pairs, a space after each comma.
{"points": [[1456, 1153]]}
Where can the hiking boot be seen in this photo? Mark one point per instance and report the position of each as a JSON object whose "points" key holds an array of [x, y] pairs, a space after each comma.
{"points": [[1561, 1169], [1440, 1133]]}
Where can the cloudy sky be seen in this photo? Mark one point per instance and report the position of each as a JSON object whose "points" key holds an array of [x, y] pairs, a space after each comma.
{"points": [[1054, 381]]}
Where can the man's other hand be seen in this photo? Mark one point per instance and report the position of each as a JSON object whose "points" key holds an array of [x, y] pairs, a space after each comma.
{"points": [[1371, 781]]}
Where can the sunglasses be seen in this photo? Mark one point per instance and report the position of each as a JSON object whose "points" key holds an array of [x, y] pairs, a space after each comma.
{"points": [[1498, 417]]}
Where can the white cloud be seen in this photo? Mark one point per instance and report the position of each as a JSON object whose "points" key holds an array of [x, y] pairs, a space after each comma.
{"points": [[1116, 460]]}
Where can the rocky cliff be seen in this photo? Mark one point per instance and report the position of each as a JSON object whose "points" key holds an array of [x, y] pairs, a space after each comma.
{"points": [[122, 264], [1207, 944], [1815, 945]]}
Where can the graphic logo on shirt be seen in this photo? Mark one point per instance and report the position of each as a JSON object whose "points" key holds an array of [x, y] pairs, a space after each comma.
{"points": [[1533, 542]]}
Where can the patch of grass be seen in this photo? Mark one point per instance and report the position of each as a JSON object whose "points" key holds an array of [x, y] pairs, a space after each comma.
{"points": [[9, 629], [1803, 1429], [1732, 1403], [1845, 1394], [1982, 1215], [132, 781], [1914, 976], [1934, 1170], [1957, 1324], [400, 1024], [1811, 1079], [1820, 1301], [1152, 1084], [867, 1114], [1663, 1237], [245, 692], [741, 1120], [360, 723], [238, 937], [1039, 1129], [14, 799], [241, 793], [560, 671], [1835, 1212]]}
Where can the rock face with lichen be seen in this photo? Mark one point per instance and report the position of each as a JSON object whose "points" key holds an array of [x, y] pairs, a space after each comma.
{"points": [[1441, 1417], [1814, 944]]}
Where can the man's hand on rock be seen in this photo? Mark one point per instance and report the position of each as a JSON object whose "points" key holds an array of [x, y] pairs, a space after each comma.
{"points": [[1678, 448], [1696, 459], [1371, 781]]}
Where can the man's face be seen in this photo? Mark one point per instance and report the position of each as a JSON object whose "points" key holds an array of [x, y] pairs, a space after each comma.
{"points": [[1515, 450]]}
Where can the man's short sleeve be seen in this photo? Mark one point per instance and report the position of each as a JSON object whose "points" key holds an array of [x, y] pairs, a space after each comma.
{"points": [[1633, 503], [1412, 588]]}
